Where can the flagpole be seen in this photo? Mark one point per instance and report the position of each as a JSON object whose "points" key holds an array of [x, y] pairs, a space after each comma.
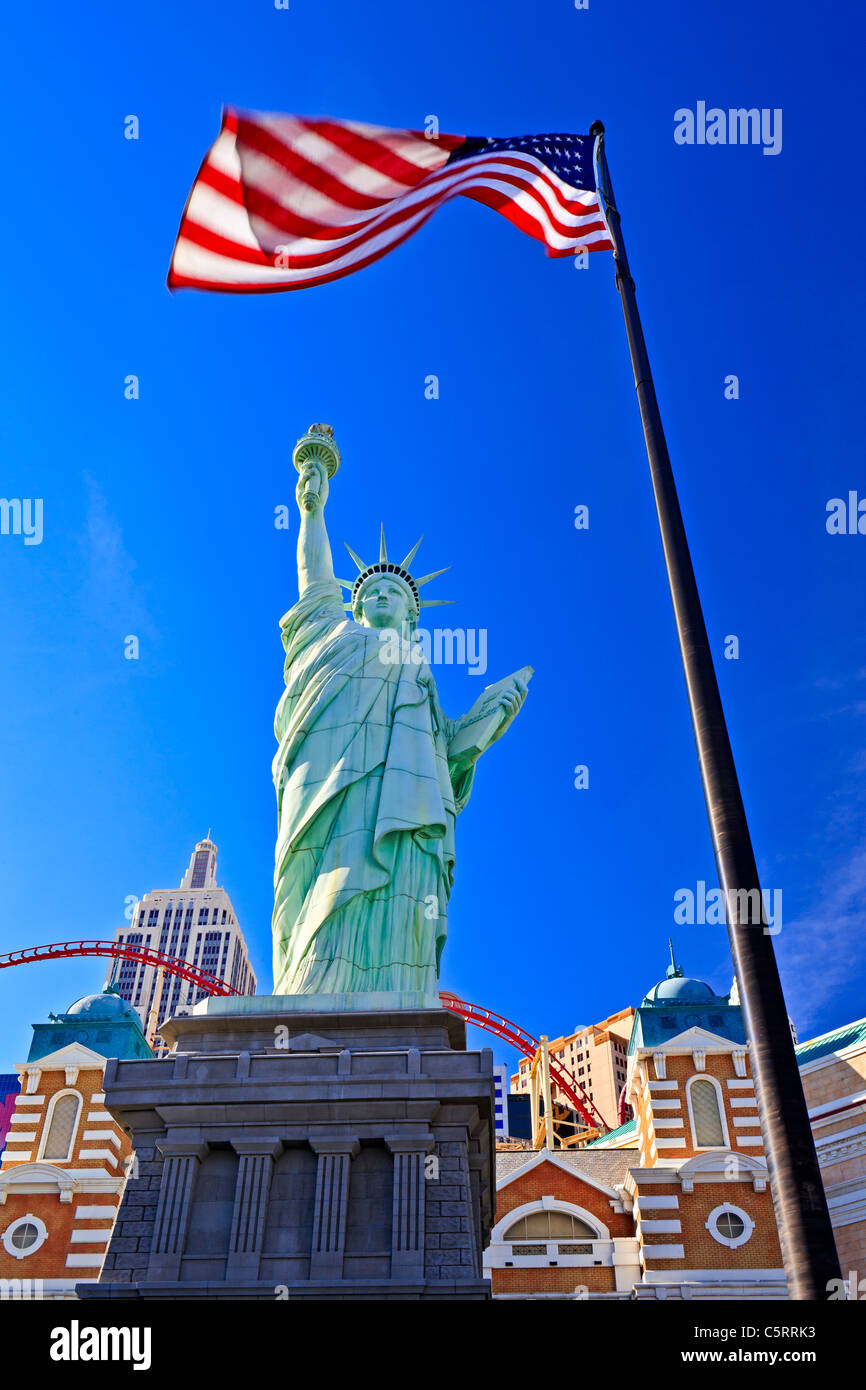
{"points": [[802, 1215]]}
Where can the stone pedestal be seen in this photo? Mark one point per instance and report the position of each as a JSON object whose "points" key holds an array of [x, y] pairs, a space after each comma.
{"points": [[305, 1147]]}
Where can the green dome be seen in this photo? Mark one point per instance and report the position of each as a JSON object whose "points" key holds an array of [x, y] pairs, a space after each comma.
{"points": [[106, 1007], [681, 990]]}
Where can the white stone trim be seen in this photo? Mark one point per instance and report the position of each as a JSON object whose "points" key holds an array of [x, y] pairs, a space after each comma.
{"points": [[97, 1134], [29, 1100], [10, 1156], [668, 1124], [85, 1261], [17, 1119], [98, 1096], [732, 1242], [662, 1086], [99, 1117], [746, 1120], [838, 1136], [660, 1203], [674, 1142], [98, 1153], [663, 1252], [660, 1227], [6, 1237], [711, 1276], [95, 1237], [743, 1101], [746, 1141], [18, 1136], [662, 1104], [95, 1213], [744, 1085]]}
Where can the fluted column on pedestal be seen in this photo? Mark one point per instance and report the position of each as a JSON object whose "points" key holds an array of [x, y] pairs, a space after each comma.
{"points": [[407, 1231], [255, 1170], [182, 1160], [331, 1205]]}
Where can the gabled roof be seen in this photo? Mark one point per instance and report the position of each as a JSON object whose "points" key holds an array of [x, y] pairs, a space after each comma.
{"points": [[603, 1169], [816, 1048]]}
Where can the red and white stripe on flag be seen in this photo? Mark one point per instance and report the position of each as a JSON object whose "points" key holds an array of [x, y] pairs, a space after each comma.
{"points": [[283, 202]]}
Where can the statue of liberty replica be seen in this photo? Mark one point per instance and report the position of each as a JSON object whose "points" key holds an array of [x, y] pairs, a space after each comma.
{"points": [[370, 774]]}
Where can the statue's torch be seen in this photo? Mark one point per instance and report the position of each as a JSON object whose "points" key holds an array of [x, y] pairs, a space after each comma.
{"points": [[316, 446]]}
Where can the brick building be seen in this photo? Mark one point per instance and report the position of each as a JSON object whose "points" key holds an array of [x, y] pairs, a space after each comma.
{"points": [[674, 1204], [833, 1069], [64, 1165]]}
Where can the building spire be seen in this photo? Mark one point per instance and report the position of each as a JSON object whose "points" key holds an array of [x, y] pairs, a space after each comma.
{"points": [[674, 971]]}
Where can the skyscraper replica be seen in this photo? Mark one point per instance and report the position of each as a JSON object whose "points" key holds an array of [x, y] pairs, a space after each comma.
{"points": [[195, 923]]}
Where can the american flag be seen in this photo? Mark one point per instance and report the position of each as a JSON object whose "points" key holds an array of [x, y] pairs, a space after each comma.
{"points": [[285, 202]]}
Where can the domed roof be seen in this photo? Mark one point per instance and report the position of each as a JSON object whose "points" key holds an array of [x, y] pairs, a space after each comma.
{"points": [[680, 989], [106, 1007], [677, 988]]}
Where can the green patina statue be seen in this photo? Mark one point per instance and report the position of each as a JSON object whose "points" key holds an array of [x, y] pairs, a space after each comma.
{"points": [[370, 773]]}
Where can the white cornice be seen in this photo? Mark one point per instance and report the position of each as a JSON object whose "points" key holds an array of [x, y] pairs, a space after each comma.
{"points": [[74, 1054]]}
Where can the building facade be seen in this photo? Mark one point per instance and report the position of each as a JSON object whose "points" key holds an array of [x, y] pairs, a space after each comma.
{"points": [[195, 923], [833, 1069], [675, 1203], [64, 1166]]}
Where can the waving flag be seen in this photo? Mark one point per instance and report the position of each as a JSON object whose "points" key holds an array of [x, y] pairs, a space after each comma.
{"points": [[283, 202]]}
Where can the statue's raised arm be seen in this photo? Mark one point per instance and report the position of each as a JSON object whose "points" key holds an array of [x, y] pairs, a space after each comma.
{"points": [[316, 459]]}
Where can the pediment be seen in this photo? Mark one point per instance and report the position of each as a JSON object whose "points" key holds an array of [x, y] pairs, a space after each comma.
{"points": [[73, 1054], [695, 1038]]}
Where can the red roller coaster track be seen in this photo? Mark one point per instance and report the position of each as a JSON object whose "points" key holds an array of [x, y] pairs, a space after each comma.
{"points": [[473, 1013], [570, 1088], [59, 950]]}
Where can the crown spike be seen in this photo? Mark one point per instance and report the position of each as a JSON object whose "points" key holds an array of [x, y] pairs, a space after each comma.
{"points": [[425, 579], [358, 561], [383, 551], [436, 602], [345, 583], [404, 564]]}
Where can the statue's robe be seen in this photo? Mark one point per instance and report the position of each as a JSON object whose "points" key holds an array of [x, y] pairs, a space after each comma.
{"points": [[367, 803]]}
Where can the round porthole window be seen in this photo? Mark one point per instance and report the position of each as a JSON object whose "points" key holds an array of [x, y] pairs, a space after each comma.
{"points": [[24, 1236], [730, 1225]]}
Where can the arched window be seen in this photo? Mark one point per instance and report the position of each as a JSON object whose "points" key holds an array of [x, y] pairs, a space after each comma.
{"points": [[708, 1126], [60, 1127], [550, 1225]]}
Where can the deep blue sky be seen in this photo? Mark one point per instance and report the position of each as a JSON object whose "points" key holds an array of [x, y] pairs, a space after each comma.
{"points": [[159, 513]]}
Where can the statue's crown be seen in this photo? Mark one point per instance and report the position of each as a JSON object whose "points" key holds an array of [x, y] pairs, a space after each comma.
{"points": [[399, 572]]}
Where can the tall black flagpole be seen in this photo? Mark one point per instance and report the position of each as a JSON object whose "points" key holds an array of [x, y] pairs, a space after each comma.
{"points": [[802, 1216]]}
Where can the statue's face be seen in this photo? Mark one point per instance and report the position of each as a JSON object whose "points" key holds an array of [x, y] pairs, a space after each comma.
{"points": [[385, 604]]}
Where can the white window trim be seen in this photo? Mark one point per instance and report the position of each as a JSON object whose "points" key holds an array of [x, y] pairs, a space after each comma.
{"points": [[6, 1237], [46, 1129], [732, 1242], [707, 1148]]}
